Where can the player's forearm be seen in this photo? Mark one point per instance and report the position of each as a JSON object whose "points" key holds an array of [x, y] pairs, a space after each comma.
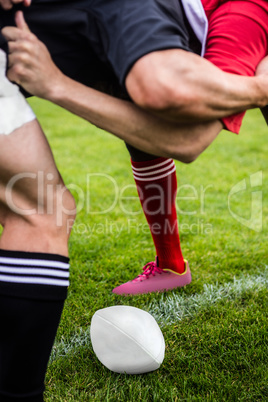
{"points": [[218, 94], [215, 99], [135, 126], [121, 118]]}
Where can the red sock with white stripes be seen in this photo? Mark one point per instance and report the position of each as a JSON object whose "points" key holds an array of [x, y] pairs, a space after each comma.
{"points": [[157, 188]]}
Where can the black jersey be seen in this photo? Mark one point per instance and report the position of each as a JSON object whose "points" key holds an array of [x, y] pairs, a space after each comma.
{"points": [[96, 42]]}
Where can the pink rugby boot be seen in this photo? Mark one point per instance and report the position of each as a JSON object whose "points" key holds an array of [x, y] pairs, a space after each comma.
{"points": [[155, 279]]}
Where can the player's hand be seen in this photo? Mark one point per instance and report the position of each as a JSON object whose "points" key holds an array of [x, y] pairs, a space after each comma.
{"points": [[29, 62], [8, 4]]}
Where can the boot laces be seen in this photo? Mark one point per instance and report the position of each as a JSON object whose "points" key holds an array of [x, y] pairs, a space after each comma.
{"points": [[149, 269]]}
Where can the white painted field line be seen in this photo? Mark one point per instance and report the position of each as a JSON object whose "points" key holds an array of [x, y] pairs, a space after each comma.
{"points": [[174, 308], [65, 347]]}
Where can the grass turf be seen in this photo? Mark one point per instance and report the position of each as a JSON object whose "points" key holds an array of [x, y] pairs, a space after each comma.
{"points": [[216, 353]]}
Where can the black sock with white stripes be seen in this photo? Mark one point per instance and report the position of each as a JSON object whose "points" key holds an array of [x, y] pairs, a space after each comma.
{"points": [[33, 287]]}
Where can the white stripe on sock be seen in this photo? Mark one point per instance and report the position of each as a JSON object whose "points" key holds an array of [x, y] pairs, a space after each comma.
{"points": [[33, 271], [172, 165], [32, 262], [156, 177], [36, 281], [152, 167]]}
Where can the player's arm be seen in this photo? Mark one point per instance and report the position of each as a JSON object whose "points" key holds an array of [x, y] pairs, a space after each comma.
{"points": [[137, 127], [124, 119], [181, 86], [30, 65], [209, 93], [8, 4]]}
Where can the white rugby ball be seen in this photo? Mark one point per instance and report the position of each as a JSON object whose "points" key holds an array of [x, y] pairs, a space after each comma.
{"points": [[127, 340]]}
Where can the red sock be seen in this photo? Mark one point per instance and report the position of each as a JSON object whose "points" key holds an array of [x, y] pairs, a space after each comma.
{"points": [[157, 188]]}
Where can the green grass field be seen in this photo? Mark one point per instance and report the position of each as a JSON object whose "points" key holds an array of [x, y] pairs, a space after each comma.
{"points": [[215, 329]]}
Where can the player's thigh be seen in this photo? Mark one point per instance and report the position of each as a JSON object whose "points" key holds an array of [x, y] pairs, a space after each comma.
{"points": [[27, 168]]}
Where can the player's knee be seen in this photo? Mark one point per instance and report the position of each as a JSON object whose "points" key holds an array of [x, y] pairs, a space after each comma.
{"points": [[51, 213], [65, 210], [189, 157], [186, 152], [185, 155]]}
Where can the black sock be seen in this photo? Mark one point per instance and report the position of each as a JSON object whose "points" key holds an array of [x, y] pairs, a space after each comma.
{"points": [[33, 287]]}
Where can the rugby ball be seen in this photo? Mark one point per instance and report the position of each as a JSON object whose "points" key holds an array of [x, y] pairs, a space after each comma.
{"points": [[127, 340]]}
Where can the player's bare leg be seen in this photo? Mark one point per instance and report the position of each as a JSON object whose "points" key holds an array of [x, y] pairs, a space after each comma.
{"points": [[35, 207], [34, 269], [35, 204]]}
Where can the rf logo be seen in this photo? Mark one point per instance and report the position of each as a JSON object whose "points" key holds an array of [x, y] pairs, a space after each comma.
{"points": [[240, 189]]}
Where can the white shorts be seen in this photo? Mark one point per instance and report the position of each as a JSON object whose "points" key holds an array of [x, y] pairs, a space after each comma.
{"points": [[14, 109]]}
